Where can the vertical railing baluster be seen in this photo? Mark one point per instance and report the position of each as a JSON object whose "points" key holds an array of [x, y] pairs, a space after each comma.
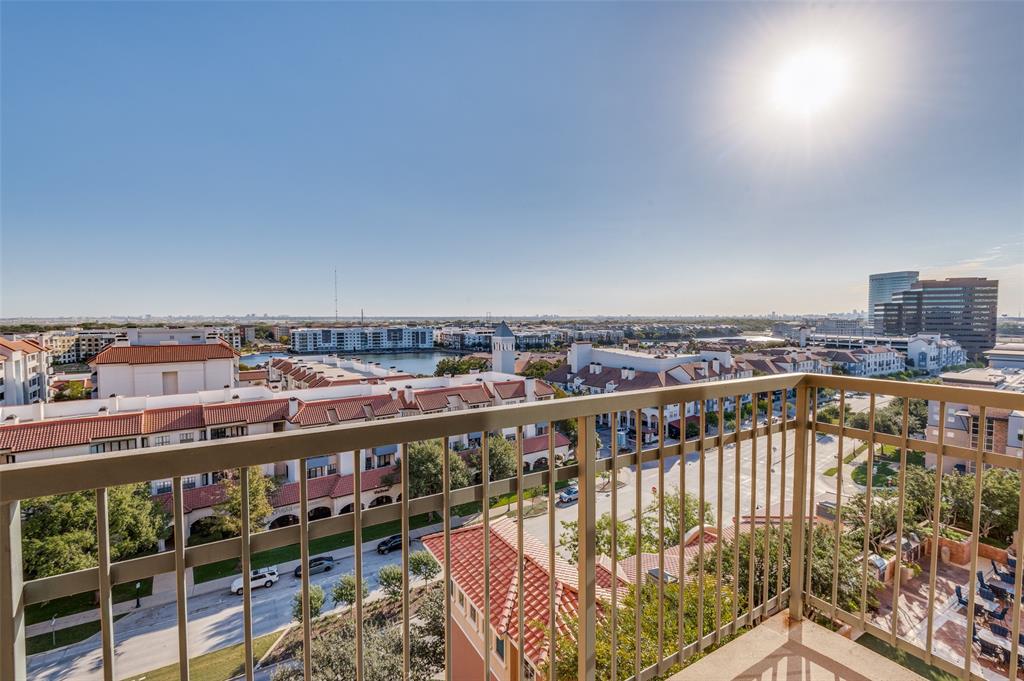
{"points": [[737, 468], [552, 541], [867, 511], [936, 521], [521, 619], [446, 493], [406, 612], [661, 536], [701, 472], [900, 510], [357, 551], [613, 662], [979, 475], [797, 587], [718, 521], [753, 509], [180, 583], [1018, 575], [106, 602], [245, 537], [637, 558], [485, 485], [811, 474], [586, 516], [782, 491], [12, 605], [307, 613], [839, 503], [769, 455], [682, 524]]}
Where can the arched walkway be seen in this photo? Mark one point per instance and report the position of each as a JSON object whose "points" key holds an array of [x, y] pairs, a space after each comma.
{"points": [[381, 500], [284, 521], [319, 512]]}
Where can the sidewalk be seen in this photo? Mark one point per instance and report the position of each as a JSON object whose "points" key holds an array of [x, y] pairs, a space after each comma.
{"points": [[164, 592]]}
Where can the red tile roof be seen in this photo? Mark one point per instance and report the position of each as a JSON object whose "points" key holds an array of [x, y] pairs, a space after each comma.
{"points": [[323, 412], [253, 375], [542, 389], [432, 400], [25, 345], [510, 390], [161, 354], [539, 443], [260, 411]]}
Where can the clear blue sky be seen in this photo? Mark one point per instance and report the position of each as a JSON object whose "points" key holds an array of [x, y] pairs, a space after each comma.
{"points": [[517, 158]]}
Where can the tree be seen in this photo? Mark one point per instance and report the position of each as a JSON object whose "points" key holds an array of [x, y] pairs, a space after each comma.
{"points": [[884, 513], [344, 590], [389, 577], [461, 365], [502, 458], [567, 650], [423, 566], [425, 466], [59, 532], [72, 390], [626, 530], [316, 603], [692, 430], [1000, 500], [540, 368], [230, 510]]}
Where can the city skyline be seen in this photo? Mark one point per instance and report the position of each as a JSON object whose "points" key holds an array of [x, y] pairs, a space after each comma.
{"points": [[620, 173]]}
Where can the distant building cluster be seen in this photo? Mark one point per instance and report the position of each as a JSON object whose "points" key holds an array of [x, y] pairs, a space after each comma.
{"points": [[361, 339]]}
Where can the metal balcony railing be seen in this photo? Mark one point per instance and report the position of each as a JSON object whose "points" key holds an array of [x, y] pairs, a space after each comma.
{"points": [[795, 570]]}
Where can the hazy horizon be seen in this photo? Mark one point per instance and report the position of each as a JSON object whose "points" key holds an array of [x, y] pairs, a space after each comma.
{"points": [[584, 159]]}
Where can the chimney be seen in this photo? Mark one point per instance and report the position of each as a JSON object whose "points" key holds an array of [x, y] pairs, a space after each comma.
{"points": [[40, 410], [625, 373], [115, 402], [594, 367], [11, 420], [716, 365], [408, 393], [632, 373], [293, 406], [362, 381], [227, 393]]}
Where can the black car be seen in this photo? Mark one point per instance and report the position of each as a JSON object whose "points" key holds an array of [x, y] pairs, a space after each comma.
{"points": [[318, 564], [392, 543]]}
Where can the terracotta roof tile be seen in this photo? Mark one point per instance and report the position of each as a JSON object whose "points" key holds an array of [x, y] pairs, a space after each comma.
{"points": [[160, 354]]}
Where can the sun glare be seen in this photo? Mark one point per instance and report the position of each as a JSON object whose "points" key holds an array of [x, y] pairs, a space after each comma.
{"points": [[808, 83]]}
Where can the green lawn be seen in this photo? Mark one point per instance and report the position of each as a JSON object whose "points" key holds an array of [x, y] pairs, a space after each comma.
{"points": [[884, 475], [831, 472], [63, 637], [904, 659], [68, 605], [219, 665], [225, 568]]}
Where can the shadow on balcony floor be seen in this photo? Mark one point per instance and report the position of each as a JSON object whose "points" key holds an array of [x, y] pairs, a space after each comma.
{"points": [[779, 651]]}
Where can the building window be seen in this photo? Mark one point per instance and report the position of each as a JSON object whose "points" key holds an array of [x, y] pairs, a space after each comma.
{"points": [[462, 599], [472, 614], [230, 431], [112, 446], [185, 437], [499, 648], [161, 440], [163, 487]]}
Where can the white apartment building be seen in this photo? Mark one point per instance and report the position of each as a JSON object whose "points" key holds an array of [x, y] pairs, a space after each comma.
{"points": [[932, 353], [24, 372], [132, 370], [871, 360], [1006, 356], [597, 335], [160, 335], [43, 431], [298, 373], [458, 338], [362, 339]]}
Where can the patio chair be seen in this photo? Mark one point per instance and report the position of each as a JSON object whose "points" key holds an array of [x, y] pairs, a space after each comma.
{"points": [[999, 591], [1020, 639], [1011, 562], [999, 630], [980, 610], [960, 596], [999, 615], [981, 578], [991, 650], [987, 593]]}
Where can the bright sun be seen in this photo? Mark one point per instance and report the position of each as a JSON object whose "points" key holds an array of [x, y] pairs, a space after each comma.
{"points": [[810, 82]]}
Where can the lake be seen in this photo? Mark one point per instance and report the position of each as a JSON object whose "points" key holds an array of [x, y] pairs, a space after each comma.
{"points": [[409, 362]]}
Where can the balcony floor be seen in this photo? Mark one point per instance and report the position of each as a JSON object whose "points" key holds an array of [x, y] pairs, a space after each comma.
{"points": [[779, 651]]}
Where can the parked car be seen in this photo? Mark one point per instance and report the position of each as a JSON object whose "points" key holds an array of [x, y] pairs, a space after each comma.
{"points": [[569, 495], [264, 577], [392, 543], [317, 564]]}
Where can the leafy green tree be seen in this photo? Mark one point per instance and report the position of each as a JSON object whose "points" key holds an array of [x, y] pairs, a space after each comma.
{"points": [[626, 530], [884, 513], [344, 590], [502, 458], [73, 390], [423, 566], [540, 368], [261, 488], [316, 602], [1000, 501], [461, 365], [425, 466], [59, 532], [389, 577]]}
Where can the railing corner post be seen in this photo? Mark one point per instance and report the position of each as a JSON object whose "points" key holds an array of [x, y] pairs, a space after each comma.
{"points": [[796, 562], [12, 607]]}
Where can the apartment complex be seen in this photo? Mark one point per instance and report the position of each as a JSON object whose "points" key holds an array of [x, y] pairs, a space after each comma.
{"points": [[882, 287], [1006, 356], [297, 373], [24, 372], [361, 339], [963, 309]]}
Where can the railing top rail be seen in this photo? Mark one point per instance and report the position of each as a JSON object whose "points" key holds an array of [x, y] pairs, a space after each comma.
{"points": [[92, 471], [981, 397]]}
